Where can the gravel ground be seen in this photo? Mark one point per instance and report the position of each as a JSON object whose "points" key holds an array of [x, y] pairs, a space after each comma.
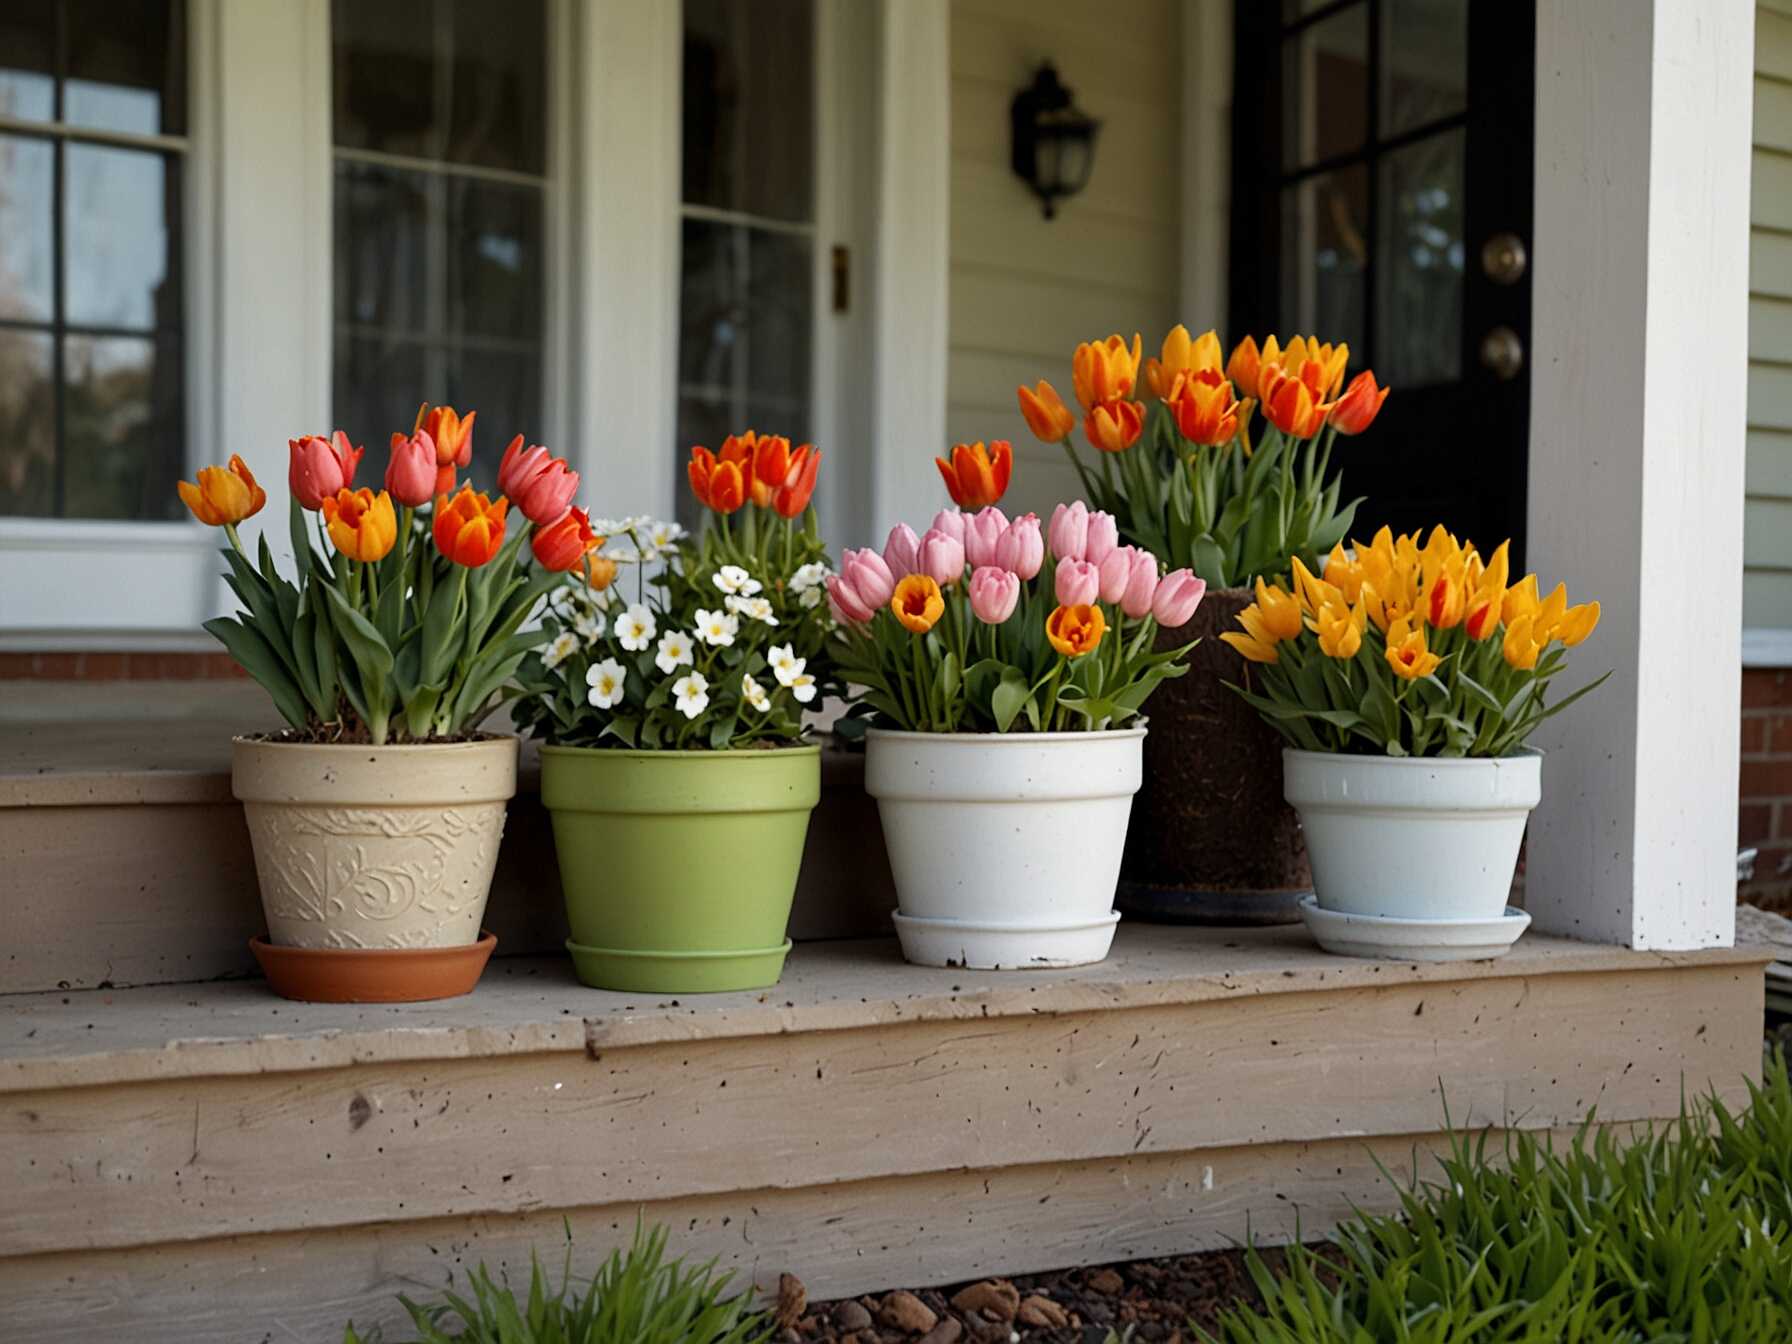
{"points": [[1155, 1299]]}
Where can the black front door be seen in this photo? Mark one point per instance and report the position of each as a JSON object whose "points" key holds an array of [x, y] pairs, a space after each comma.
{"points": [[1382, 196]]}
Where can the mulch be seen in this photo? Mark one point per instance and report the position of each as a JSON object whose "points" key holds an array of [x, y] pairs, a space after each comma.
{"points": [[1156, 1300]]}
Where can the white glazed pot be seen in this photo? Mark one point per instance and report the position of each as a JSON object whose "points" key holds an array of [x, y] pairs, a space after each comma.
{"points": [[1413, 838], [1005, 847], [374, 847]]}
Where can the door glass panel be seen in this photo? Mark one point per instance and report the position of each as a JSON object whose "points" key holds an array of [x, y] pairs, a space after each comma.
{"points": [[1419, 262], [749, 114], [1325, 83], [127, 66], [27, 246], [27, 423], [123, 426], [1325, 255], [745, 316], [1424, 62], [120, 237], [28, 60]]}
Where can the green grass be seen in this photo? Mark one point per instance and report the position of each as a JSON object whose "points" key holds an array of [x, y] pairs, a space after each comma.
{"points": [[1679, 1235], [637, 1297]]}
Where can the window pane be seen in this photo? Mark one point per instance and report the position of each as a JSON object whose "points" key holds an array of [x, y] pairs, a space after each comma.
{"points": [[379, 381], [121, 237], [123, 444], [127, 65], [504, 386], [745, 315], [27, 247], [28, 60], [495, 262], [1419, 262], [27, 424], [749, 111], [1424, 62], [1324, 255], [1325, 88], [463, 81]]}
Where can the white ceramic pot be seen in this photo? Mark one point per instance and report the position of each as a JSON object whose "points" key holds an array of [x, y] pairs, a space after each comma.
{"points": [[1005, 847], [374, 847], [1413, 838]]}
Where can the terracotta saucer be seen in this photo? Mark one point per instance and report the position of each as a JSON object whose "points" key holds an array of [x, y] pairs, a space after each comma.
{"points": [[372, 975]]}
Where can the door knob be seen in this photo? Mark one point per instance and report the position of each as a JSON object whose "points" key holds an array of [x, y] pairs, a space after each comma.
{"points": [[1503, 258], [1502, 352]]}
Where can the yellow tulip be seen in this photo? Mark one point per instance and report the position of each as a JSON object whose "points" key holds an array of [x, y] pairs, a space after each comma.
{"points": [[1407, 653], [1490, 592], [1105, 372], [1550, 614], [1320, 367], [1577, 623], [362, 525], [1256, 643], [1521, 600], [1182, 355], [1344, 572], [224, 496], [1279, 611], [1520, 648], [1313, 591], [1446, 600], [1340, 630]]}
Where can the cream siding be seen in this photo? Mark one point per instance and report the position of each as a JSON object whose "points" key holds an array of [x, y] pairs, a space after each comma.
{"points": [[1767, 526], [1024, 289]]}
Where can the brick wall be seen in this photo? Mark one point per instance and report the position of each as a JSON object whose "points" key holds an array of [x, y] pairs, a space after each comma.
{"points": [[117, 666], [1767, 785]]}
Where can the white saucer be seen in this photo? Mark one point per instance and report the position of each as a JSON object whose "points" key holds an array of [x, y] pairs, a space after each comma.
{"points": [[1413, 939]]}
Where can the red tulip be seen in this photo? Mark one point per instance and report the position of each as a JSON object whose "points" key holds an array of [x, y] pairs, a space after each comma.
{"points": [[411, 474], [561, 545], [538, 483], [320, 467]]}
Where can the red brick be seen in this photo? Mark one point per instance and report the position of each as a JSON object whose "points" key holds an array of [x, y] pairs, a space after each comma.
{"points": [[1778, 731], [1766, 687], [1767, 778], [1773, 865], [1754, 734], [1755, 824]]}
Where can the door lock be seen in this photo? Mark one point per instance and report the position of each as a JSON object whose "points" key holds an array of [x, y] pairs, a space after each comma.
{"points": [[1502, 352], [1503, 258]]}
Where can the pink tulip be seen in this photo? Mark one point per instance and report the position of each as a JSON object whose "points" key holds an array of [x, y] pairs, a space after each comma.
{"points": [[1021, 548], [846, 604], [411, 474], [868, 576], [1079, 583], [1178, 594], [538, 483], [941, 557], [982, 530], [1141, 584], [949, 521], [902, 549], [994, 593], [320, 467], [1070, 531], [1104, 536], [1114, 570]]}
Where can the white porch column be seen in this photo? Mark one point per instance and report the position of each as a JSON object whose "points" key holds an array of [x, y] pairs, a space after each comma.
{"points": [[908, 388], [1639, 365]]}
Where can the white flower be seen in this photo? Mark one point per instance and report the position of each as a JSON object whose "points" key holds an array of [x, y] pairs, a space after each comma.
{"points": [[664, 536], [717, 628], [754, 694], [809, 579], [752, 608], [785, 665], [802, 686], [635, 627], [605, 680], [622, 551], [675, 651], [565, 644], [691, 691], [734, 579], [589, 626], [810, 598]]}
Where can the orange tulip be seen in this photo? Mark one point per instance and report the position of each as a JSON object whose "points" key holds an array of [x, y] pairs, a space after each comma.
{"points": [[224, 496], [719, 485], [771, 462], [561, 545], [792, 491], [453, 438], [1115, 426], [1183, 356], [917, 603], [1290, 407], [1356, 410], [1105, 372], [1246, 360], [1206, 413], [469, 528], [1045, 413], [599, 570], [1074, 631], [362, 525], [975, 477], [1320, 367]]}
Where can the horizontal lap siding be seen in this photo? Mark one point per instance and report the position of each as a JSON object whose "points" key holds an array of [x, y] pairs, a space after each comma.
{"points": [[1767, 526], [1025, 290]]}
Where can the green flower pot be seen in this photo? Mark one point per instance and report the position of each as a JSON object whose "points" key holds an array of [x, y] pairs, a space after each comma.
{"points": [[679, 867]]}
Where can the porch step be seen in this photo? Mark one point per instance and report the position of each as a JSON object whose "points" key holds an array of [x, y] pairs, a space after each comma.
{"points": [[201, 1163], [128, 858]]}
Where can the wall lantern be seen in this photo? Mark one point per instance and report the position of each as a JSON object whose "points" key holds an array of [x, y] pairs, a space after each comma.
{"points": [[1054, 140]]}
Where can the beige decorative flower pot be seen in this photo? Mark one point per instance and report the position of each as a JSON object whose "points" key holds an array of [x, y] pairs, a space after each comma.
{"points": [[374, 847]]}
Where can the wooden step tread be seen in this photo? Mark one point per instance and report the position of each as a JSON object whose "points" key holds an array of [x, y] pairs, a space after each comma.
{"points": [[527, 1006]]}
